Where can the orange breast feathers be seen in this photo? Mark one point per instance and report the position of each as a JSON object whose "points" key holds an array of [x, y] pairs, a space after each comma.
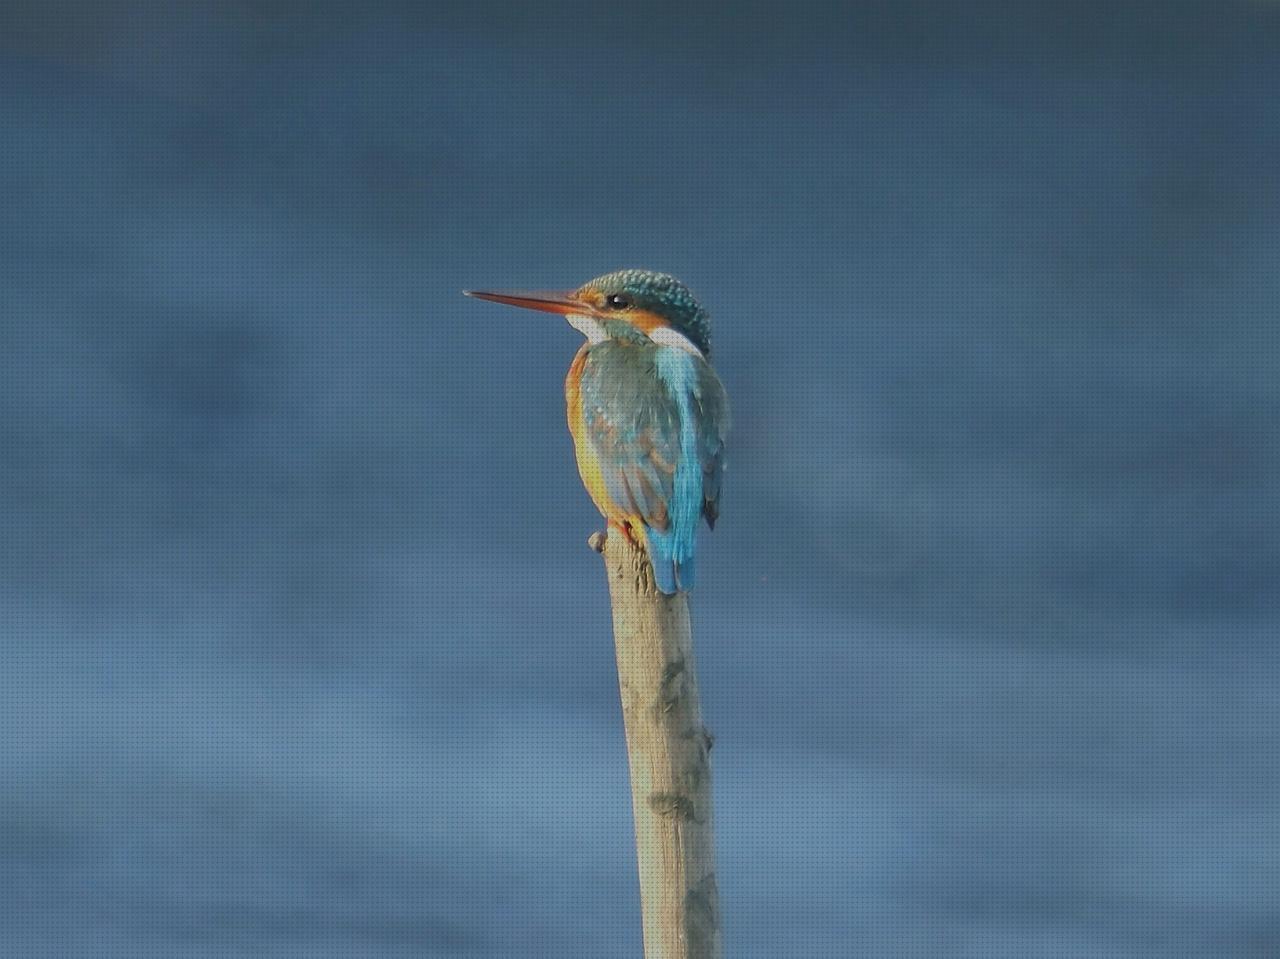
{"points": [[588, 463]]}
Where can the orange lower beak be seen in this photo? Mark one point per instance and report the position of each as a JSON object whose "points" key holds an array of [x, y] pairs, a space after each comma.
{"points": [[546, 302]]}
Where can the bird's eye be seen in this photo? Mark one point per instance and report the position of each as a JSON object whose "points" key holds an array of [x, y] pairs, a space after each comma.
{"points": [[617, 301]]}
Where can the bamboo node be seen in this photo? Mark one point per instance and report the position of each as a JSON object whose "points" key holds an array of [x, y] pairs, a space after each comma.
{"points": [[672, 806], [671, 688]]}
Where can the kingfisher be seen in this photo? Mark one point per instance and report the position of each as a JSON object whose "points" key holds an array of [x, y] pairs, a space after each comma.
{"points": [[647, 413]]}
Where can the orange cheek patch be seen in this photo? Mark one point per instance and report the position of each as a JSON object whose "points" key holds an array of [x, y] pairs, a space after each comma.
{"points": [[645, 321]]}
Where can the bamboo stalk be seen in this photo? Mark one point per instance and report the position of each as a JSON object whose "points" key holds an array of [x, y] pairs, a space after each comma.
{"points": [[667, 748]]}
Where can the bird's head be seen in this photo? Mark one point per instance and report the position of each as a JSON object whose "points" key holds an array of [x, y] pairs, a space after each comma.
{"points": [[624, 305]]}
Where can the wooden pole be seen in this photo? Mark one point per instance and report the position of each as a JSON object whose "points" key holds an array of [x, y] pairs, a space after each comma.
{"points": [[667, 747]]}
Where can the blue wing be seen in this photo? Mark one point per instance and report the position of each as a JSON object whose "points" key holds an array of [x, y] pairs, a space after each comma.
{"points": [[659, 444]]}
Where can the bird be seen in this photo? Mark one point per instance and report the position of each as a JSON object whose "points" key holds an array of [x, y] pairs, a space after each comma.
{"points": [[647, 413]]}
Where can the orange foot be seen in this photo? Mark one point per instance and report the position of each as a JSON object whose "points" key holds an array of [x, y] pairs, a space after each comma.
{"points": [[624, 527]]}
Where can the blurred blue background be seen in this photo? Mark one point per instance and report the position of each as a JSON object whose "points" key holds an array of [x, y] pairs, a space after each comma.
{"points": [[302, 652]]}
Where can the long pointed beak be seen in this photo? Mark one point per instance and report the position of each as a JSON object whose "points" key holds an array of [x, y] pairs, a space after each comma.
{"points": [[546, 302]]}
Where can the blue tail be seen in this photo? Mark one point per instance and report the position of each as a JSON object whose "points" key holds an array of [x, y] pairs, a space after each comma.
{"points": [[669, 574], [671, 551]]}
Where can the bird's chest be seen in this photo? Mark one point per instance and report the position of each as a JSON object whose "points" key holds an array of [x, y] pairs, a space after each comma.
{"points": [[589, 466], [630, 407]]}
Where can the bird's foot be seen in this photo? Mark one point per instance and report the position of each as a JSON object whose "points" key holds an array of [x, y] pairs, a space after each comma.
{"points": [[627, 532]]}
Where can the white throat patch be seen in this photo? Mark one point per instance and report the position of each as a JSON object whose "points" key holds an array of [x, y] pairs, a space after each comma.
{"points": [[588, 326]]}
